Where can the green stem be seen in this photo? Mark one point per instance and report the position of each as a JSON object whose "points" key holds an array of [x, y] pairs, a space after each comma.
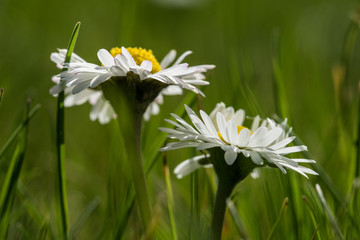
{"points": [[223, 192], [130, 121], [60, 144], [228, 177]]}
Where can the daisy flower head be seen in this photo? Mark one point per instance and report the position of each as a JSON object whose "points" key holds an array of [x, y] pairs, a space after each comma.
{"points": [[134, 70], [223, 135]]}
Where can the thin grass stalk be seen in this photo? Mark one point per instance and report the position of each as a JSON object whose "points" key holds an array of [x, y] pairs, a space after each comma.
{"points": [[31, 208], [280, 89], [281, 214], [170, 197], [357, 165], [333, 221], [195, 197], [80, 222], [18, 130], [11, 179], [237, 220], [282, 107], [60, 146], [1, 94], [313, 217]]}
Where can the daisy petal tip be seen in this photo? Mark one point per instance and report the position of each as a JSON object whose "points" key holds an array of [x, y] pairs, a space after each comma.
{"points": [[230, 157]]}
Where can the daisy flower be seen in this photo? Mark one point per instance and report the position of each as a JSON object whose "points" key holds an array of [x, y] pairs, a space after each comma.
{"points": [[264, 143], [83, 78]]}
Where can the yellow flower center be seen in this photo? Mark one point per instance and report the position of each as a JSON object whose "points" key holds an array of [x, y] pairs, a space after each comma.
{"points": [[139, 55], [239, 128]]}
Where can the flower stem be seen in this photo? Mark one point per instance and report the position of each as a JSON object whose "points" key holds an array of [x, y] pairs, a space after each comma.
{"points": [[223, 192], [130, 121], [228, 177]]}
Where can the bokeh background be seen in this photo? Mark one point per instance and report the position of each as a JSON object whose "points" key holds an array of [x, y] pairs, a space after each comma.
{"points": [[310, 45]]}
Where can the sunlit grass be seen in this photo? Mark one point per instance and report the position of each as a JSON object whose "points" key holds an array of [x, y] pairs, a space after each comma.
{"points": [[268, 61]]}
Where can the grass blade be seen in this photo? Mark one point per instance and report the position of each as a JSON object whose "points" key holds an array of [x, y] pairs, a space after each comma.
{"points": [[90, 208], [236, 218], [60, 145], [280, 89], [331, 215], [18, 130], [34, 212], [357, 165], [170, 197], [313, 217], [1, 94], [282, 212], [11, 179]]}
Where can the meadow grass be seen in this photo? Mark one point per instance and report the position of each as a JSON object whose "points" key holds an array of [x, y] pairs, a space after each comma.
{"points": [[299, 61]]}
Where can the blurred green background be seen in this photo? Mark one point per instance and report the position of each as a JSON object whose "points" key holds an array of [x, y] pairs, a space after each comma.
{"points": [[245, 40]]}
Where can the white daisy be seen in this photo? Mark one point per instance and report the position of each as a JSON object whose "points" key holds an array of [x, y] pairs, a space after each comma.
{"points": [[82, 76], [265, 143], [142, 62]]}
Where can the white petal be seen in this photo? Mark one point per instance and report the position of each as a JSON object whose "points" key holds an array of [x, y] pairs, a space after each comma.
{"points": [[270, 137], [105, 58], [184, 123], [255, 123], [239, 117], [209, 125], [243, 137], [56, 89], [146, 65], [231, 130], [169, 58], [131, 62], [257, 136], [293, 149], [255, 157], [230, 157], [282, 143], [196, 121], [190, 165], [178, 145], [80, 87], [172, 90], [98, 80], [302, 160], [204, 146], [181, 58], [221, 122], [117, 71]]}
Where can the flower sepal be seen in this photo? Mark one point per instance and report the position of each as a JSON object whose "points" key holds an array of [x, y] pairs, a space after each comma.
{"points": [[131, 91], [234, 173]]}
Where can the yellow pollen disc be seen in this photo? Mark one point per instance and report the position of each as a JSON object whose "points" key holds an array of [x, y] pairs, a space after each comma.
{"points": [[239, 128], [139, 55]]}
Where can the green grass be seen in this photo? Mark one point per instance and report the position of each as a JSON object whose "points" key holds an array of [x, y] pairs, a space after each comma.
{"points": [[297, 60]]}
